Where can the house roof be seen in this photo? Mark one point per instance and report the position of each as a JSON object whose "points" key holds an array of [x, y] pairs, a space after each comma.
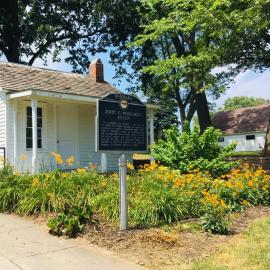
{"points": [[17, 77], [244, 120]]}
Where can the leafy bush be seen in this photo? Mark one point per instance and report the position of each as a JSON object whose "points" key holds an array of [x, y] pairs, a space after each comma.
{"points": [[192, 150], [71, 222], [214, 219]]}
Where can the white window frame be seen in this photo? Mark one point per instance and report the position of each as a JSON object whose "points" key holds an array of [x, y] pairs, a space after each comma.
{"points": [[43, 106]]}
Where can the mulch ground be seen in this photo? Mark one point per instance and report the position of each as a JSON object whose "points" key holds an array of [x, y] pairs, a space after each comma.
{"points": [[169, 247]]}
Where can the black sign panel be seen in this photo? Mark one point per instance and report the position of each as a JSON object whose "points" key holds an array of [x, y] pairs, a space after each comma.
{"points": [[121, 123]]}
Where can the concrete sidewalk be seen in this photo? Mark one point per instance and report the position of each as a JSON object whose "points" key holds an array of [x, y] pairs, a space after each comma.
{"points": [[26, 245]]}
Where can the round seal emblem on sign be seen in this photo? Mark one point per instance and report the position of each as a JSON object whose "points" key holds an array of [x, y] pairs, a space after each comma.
{"points": [[123, 104]]}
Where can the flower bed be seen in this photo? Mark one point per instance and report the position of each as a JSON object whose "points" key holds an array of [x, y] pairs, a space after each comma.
{"points": [[157, 195]]}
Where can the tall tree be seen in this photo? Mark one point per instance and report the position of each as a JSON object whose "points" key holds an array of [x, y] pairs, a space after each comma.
{"points": [[180, 33], [247, 40], [167, 116], [190, 38], [32, 29]]}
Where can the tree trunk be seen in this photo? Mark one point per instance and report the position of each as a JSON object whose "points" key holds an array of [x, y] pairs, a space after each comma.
{"points": [[11, 30], [266, 149], [182, 110], [182, 117], [202, 111]]}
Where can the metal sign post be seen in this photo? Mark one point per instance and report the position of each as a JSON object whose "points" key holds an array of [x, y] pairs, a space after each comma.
{"points": [[123, 193]]}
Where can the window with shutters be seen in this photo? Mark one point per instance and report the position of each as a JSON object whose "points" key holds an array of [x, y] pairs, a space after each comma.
{"points": [[29, 129]]}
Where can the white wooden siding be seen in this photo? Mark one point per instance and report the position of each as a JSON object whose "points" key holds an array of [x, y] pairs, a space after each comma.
{"points": [[86, 135], [3, 122], [2, 119], [9, 131], [246, 145]]}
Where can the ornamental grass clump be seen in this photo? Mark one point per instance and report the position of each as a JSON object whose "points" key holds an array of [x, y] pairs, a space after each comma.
{"points": [[48, 192], [213, 199], [153, 201], [12, 188], [67, 195], [244, 187], [157, 195]]}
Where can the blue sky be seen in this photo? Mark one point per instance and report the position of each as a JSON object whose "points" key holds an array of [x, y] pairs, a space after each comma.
{"points": [[249, 83]]}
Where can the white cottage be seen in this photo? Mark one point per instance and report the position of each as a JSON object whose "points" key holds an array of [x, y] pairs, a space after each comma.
{"points": [[60, 109], [246, 126]]}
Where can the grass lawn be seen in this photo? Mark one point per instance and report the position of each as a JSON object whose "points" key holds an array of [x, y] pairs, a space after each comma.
{"points": [[246, 153], [250, 250], [140, 156]]}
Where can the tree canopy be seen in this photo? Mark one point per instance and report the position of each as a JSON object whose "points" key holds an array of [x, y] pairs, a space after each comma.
{"points": [[31, 29], [247, 34], [242, 102], [190, 38], [181, 35]]}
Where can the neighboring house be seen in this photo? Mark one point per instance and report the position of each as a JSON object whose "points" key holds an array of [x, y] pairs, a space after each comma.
{"points": [[246, 126], [62, 107]]}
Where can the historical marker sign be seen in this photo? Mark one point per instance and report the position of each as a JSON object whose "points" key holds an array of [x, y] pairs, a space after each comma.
{"points": [[121, 123]]}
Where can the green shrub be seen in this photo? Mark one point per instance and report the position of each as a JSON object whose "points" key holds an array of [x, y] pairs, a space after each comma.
{"points": [[215, 221], [71, 222], [192, 150]]}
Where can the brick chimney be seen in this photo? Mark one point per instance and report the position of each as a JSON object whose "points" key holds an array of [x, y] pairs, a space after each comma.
{"points": [[96, 70]]}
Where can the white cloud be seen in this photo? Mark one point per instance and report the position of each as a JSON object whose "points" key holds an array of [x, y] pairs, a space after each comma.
{"points": [[241, 76]]}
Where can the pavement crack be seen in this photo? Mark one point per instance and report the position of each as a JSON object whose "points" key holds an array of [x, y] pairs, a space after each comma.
{"points": [[16, 229], [47, 252], [11, 261]]}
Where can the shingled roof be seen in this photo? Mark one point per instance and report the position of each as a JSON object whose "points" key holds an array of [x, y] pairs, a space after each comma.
{"points": [[244, 120], [17, 77]]}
